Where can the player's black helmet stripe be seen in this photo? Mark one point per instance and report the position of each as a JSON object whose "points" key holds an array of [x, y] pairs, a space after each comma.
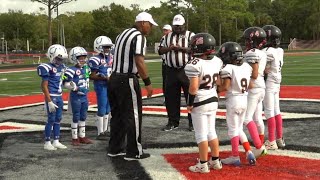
{"points": [[230, 53], [273, 35]]}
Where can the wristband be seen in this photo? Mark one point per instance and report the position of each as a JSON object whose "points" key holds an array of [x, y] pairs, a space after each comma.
{"points": [[191, 99], [146, 81]]}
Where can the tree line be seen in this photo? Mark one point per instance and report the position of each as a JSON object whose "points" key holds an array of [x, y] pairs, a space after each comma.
{"points": [[224, 19]]}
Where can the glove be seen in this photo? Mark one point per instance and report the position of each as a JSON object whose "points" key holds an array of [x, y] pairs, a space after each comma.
{"points": [[73, 85], [52, 107], [82, 91], [101, 75]]}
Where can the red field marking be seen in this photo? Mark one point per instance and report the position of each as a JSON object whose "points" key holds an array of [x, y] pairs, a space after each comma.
{"points": [[6, 102], [305, 92], [10, 128], [268, 167]]}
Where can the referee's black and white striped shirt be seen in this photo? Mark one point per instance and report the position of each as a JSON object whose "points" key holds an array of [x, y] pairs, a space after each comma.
{"points": [[179, 59], [128, 44]]}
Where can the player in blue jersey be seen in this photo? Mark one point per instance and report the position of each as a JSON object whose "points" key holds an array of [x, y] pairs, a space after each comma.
{"points": [[100, 66], [77, 80], [52, 74]]}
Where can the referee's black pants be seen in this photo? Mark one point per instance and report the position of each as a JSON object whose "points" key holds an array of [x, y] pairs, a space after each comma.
{"points": [[126, 109], [175, 80]]}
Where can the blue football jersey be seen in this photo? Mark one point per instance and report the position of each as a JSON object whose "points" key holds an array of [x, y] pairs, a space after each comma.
{"points": [[54, 75], [78, 76], [102, 65]]}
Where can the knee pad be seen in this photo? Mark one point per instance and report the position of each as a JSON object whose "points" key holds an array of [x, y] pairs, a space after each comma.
{"points": [[212, 135]]}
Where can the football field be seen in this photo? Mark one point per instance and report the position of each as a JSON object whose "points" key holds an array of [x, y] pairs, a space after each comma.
{"points": [[22, 122]]}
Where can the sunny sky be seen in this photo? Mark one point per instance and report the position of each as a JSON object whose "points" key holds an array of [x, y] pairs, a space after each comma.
{"points": [[80, 5]]}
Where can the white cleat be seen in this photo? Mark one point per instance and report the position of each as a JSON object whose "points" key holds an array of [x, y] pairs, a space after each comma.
{"points": [[48, 146], [260, 152], [216, 164], [58, 145], [271, 145], [200, 168], [280, 142], [232, 160]]}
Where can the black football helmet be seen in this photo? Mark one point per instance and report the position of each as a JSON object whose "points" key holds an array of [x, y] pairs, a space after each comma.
{"points": [[273, 35], [230, 53], [202, 43], [255, 37]]}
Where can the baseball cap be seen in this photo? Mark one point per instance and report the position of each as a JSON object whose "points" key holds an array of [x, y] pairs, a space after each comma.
{"points": [[144, 16], [178, 20], [167, 27]]}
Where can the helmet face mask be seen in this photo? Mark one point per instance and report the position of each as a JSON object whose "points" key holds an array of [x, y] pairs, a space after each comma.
{"points": [[103, 45], [57, 54], [255, 37], [273, 35], [78, 55], [231, 53], [202, 44]]}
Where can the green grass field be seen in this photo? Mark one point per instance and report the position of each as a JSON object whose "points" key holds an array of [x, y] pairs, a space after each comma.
{"points": [[297, 70]]}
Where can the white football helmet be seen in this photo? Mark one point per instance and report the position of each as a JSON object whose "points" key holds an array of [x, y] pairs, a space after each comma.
{"points": [[100, 42], [75, 53], [56, 54]]}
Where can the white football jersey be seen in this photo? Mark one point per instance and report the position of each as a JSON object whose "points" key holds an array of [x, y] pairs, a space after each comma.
{"points": [[240, 78], [275, 63], [260, 57], [208, 72]]}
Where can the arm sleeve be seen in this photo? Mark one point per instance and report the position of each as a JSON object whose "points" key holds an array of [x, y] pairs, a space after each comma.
{"points": [[226, 72], [251, 57], [192, 70], [140, 46]]}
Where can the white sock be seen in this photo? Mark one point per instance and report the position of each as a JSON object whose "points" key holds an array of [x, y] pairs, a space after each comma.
{"points": [[99, 124], [55, 141], [82, 129], [74, 130], [105, 122]]}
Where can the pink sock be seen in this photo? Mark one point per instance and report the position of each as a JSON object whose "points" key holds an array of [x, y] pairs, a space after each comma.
{"points": [[279, 125], [235, 146], [271, 128], [254, 134]]}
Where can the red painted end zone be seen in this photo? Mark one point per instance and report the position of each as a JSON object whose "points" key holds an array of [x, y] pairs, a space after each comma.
{"points": [[268, 167]]}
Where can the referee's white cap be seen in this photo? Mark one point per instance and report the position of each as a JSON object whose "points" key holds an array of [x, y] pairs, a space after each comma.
{"points": [[144, 16], [178, 20], [167, 27]]}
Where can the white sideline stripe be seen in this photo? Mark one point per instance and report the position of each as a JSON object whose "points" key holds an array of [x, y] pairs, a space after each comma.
{"points": [[26, 127], [163, 170], [6, 72], [21, 106]]}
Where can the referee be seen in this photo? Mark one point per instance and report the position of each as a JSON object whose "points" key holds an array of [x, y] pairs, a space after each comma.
{"points": [[124, 89], [175, 49]]}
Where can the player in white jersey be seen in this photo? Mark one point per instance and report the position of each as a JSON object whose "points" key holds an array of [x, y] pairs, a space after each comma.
{"points": [[235, 80], [273, 80], [203, 71], [255, 38]]}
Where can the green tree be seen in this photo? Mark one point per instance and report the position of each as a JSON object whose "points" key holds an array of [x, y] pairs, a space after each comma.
{"points": [[51, 5]]}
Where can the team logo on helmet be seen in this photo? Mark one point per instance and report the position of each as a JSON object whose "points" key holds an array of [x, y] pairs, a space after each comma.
{"points": [[199, 41], [257, 33]]}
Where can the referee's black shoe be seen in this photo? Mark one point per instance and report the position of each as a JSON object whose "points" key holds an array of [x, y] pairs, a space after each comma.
{"points": [[170, 127], [136, 157]]}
